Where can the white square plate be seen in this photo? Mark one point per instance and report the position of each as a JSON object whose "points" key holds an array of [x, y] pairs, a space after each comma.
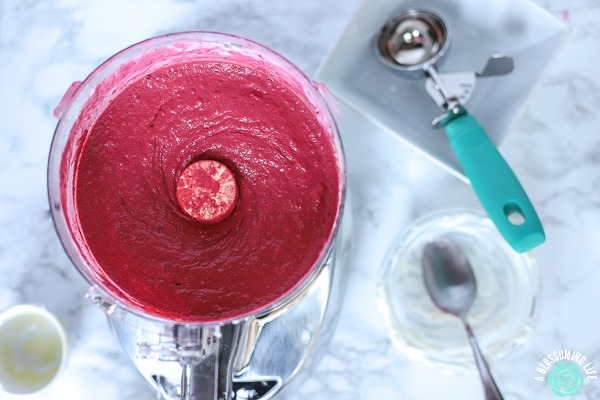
{"points": [[516, 28]]}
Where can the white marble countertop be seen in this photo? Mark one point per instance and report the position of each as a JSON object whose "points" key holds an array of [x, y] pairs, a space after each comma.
{"points": [[554, 148]]}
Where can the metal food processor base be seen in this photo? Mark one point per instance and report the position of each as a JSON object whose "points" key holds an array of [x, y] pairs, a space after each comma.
{"points": [[282, 343]]}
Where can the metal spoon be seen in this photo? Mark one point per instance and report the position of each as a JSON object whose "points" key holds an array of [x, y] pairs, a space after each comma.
{"points": [[412, 43], [451, 285]]}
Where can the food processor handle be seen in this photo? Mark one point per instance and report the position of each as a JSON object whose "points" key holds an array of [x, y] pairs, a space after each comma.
{"points": [[495, 184]]}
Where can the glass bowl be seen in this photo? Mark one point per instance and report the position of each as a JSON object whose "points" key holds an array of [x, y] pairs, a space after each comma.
{"points": [[502, 314]]}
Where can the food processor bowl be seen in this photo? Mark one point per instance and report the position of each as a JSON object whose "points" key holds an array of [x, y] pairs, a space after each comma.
{"points": [[202, 356]]}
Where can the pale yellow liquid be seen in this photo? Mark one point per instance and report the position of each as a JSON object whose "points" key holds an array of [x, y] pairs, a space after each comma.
{"points": [[31, 352]]}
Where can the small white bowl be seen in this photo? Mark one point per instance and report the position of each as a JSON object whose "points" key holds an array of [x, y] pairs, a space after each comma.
{"points": [[33, 349]]}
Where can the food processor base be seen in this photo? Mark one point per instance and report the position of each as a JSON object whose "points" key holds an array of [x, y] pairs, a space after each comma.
{"points": [[273, 349]]}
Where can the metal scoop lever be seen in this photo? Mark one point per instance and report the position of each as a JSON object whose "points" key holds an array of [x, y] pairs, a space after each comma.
{"points": [[461, 85], [498, 64]]}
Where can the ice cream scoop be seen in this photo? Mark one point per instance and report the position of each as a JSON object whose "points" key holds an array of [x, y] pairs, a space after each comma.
{"points": [[412, 42]]}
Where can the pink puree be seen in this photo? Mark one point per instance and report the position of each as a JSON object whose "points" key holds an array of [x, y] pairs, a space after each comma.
{"points": [[154, 254]]}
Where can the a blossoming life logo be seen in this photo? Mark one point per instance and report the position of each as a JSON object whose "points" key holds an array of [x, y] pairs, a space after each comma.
{"points": [[565, 372]]}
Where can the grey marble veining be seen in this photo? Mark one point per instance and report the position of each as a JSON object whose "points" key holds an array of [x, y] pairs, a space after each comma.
{"points": [[554, 148]]}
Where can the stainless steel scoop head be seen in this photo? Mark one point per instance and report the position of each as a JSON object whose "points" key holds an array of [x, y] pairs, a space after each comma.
{"points": [[413, 40]]}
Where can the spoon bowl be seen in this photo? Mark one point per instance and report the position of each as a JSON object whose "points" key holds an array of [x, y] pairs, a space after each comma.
{"points": [[449, 277], [451, 284]]}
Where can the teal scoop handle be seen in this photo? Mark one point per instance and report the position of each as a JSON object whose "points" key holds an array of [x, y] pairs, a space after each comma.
{"points": [[494, 183]]}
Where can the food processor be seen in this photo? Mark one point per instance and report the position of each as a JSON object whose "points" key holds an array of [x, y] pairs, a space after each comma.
{"points": [[253, 356]]}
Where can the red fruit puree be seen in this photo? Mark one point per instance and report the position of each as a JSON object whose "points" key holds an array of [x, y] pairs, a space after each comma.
{"points": [[206, 190]]}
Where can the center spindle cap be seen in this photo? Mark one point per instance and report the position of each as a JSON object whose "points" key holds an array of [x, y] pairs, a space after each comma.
{"points": [[207, 191]]}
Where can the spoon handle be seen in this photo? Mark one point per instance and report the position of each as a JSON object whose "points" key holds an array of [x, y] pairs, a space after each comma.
{"points": [[489, 385]]}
